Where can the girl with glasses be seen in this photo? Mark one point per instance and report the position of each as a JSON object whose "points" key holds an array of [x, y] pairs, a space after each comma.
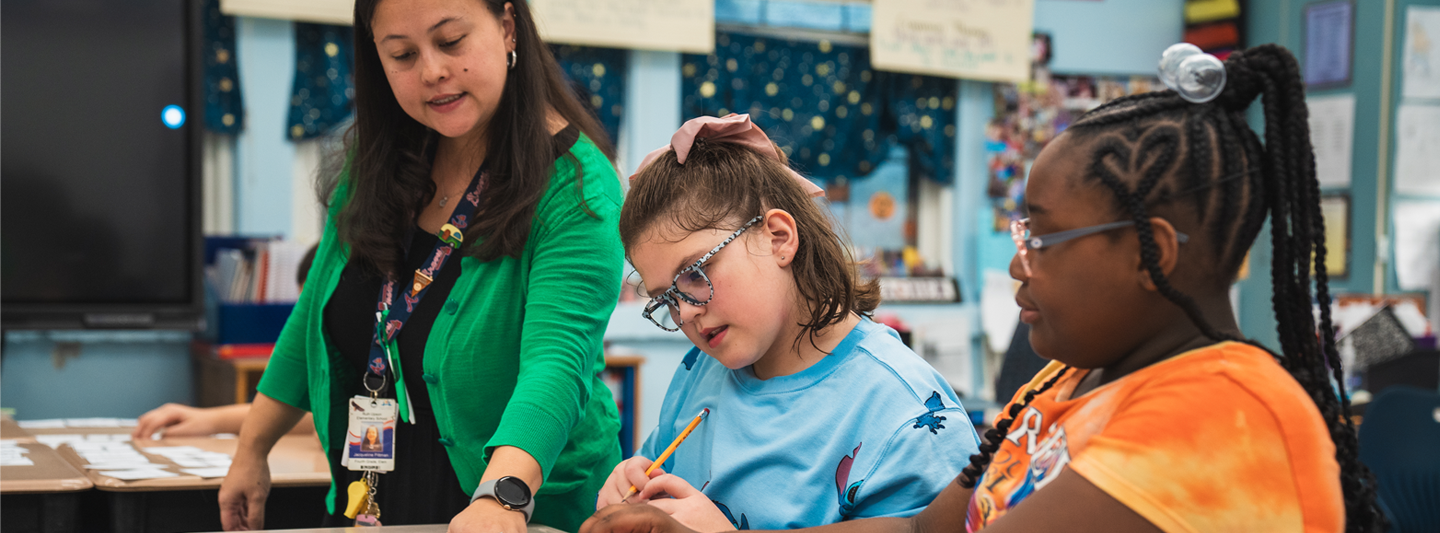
{"points": [[1156, 414], [816, 413]]}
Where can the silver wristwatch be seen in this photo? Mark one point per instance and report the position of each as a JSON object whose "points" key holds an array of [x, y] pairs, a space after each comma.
{"points": [[512, 494]]}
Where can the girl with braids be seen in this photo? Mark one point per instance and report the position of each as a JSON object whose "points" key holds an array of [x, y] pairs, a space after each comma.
{"points": [[1155, 414], [815, 413]]}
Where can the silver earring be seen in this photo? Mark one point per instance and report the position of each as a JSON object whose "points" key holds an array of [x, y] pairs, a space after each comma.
{"points": [[513, 60]]}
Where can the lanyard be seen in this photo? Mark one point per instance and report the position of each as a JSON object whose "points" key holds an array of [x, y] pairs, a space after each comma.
{"points": [[394, 306]]}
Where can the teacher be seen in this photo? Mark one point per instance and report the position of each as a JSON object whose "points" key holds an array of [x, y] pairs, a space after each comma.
{"points": [[469, 266]]}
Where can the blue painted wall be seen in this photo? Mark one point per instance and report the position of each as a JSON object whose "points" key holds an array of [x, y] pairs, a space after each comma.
{"points": [[1283, 23], [1109, 37], [264, 157]]}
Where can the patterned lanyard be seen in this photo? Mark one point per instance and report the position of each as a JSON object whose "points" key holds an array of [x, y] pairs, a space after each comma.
{"points": [[394, 307]]}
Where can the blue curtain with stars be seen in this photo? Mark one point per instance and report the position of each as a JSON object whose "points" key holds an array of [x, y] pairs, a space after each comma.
{"points": [[324, 92], [832, 114], [597, 75], [224, 109]]}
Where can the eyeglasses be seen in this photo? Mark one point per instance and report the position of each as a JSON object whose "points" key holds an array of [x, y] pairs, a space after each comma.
{"points": [[691, 285], [1024, 242]]}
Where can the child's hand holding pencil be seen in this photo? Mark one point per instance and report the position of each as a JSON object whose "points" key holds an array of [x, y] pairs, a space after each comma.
{"points": [[631, 475]]}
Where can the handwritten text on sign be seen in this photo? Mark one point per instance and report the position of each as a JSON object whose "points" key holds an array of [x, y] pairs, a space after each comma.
{"points": [[975, 39], [676, 25]]}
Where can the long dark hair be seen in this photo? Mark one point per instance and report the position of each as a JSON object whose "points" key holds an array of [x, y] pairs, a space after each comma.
{"points": [[720, 186], [1232, 181], [389, 171]]}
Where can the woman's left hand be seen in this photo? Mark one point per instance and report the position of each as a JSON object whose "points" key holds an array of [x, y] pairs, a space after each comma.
{"points": [[485, 515], [686, 505]]}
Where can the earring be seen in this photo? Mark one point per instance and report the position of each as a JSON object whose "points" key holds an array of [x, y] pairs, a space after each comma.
{"points": [[513, 60]]}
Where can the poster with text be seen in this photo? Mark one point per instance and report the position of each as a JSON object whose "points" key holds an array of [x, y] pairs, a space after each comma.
{"points": [[1422, 52], [667, 25], [972, 39]]}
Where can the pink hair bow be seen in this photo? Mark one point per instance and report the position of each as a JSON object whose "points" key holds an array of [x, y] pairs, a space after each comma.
{"points": [[732, 128]]}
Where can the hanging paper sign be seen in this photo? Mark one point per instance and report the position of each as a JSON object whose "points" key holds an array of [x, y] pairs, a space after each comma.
{"points": [[323, 11], [973, 39], [667, 25]]}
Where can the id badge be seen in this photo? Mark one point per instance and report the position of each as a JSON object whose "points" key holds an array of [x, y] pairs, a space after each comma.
{"points": [[370, 441]]}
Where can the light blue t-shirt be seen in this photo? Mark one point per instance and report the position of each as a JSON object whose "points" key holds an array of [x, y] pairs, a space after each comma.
{"points": [[869, 430]]}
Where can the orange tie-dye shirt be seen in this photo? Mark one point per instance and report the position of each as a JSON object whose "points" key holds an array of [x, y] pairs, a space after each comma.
{"points": [[1215, 439]]}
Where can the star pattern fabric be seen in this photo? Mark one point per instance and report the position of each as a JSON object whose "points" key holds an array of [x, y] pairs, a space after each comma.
{"points": [[224, 109], [597, 75], [324, 91], [832, 114]]}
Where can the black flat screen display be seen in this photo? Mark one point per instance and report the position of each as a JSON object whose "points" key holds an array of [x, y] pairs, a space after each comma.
{"points": [[98, 188]]}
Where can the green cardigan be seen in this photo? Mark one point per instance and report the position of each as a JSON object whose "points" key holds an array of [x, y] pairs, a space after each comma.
{"points": [[514, 356]]}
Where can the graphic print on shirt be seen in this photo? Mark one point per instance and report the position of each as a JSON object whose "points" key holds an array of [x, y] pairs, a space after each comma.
{"points": [[843, 486], [743, 523], [1041, 462], [930, 419]]}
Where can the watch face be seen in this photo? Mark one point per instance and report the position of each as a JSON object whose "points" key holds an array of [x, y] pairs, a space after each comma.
{"points": [[512, 491]]}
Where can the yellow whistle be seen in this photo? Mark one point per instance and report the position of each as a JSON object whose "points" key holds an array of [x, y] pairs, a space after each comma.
{"points": [[359, 499]]}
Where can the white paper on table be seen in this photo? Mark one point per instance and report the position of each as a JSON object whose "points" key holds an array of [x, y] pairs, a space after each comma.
{"points": [[92, 422], [54, 441], [1332, 132], [16, 461], [1422, 52], [171, 451], [999, 314], [48, 423], [139, 473], [1417, 149], [212, 472], [190, 462], [1417, 243], [128, 465]]}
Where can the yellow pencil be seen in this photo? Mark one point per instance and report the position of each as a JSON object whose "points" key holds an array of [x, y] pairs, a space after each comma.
{"points": [[670, 450]]}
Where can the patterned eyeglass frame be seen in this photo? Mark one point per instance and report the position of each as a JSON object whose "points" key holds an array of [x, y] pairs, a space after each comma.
{"points": [[1023, 244], [668, 297]]}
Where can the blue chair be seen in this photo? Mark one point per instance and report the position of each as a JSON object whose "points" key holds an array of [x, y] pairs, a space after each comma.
{"points": [[1400, 442]]}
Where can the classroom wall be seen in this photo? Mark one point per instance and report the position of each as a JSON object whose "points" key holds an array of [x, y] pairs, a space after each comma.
{"points": [[1282, 22], [1115, 37]]}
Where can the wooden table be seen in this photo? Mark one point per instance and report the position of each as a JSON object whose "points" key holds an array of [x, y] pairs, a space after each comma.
{"points": [[10, 430], [44, 496], [296, 461], [299, 471]]}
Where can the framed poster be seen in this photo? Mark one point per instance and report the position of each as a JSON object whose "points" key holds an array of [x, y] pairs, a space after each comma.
{"points": [[1329, 43], [1335, 209]]}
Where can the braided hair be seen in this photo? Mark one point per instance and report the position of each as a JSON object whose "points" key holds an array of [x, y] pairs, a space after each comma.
{"points": [[1205, 157]]}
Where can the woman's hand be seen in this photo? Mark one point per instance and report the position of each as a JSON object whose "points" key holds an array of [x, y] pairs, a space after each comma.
{"points": [[630, 472], [175, 420], [686, 505], [636, 518], [243, 494], [247, 485], [485, 515]]}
